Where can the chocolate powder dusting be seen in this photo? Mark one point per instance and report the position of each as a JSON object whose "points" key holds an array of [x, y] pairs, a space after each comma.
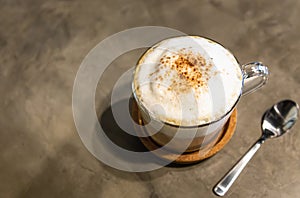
{"points": [[190, 66], [192, 71]]}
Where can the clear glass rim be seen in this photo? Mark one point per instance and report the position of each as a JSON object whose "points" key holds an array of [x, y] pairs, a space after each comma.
{"points": [[152, 117]]}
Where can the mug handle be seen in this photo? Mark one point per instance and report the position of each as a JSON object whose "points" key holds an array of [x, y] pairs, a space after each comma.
{"points": [[255, 75]]}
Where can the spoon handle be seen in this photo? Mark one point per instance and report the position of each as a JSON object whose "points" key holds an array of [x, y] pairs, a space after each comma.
{"points": [[224, 184]]}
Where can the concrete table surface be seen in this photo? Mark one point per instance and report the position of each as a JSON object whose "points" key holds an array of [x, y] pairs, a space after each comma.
{"points": [[42, 45]]}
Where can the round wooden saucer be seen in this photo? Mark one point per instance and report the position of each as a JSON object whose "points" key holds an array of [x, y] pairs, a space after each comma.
{"points": [[190, 157]]}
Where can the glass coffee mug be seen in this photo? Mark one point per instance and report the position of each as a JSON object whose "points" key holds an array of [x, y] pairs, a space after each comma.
{"points": [[187, 138]]}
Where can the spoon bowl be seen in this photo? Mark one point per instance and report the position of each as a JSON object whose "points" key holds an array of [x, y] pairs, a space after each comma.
{"points": [[279, 119]]}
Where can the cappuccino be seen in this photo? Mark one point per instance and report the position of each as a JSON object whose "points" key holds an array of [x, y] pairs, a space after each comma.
{"points": [[187, 81]]}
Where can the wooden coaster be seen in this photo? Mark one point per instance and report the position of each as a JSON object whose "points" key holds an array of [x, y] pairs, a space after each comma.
{"points": [[190, 157]]}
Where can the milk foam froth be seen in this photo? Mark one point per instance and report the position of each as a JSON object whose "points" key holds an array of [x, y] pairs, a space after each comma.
{"points": [[187, 81]]}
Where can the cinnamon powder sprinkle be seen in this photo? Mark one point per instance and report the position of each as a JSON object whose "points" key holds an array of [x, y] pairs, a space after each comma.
{"points": [[188, 67], [192, 71]]}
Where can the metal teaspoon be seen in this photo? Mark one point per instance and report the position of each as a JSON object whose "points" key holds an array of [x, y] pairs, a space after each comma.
{"points": [[275, 122]]}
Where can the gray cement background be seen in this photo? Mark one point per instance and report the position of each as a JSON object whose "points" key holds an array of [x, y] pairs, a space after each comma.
{"points": [[42, 44]]}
